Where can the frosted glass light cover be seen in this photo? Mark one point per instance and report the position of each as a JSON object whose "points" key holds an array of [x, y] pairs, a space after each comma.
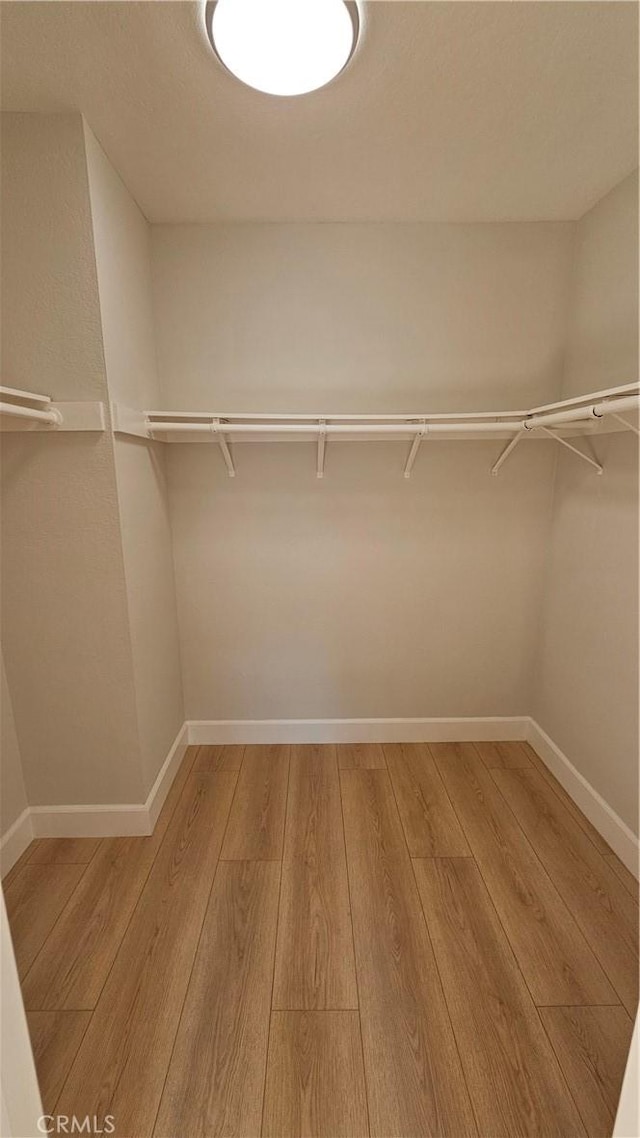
{"points": [[283, 47]]}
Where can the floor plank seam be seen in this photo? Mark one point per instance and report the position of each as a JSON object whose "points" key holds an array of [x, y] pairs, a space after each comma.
{"points": [[586, 933], [195, 955], [562, 1073], [433, 952], [77, 1050], [71, 861], [543, 870], [58, 918], [142, 887], [559, 791], [353, 943], [189, 771], [275, 947], [519, 969], [133, 912], [591, 1004]]}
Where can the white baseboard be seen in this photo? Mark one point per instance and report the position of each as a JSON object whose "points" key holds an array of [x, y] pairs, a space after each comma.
{"points": [[166, 775], [125, 820], [211, 731], [611, 827], [15, 841], [120, 820]]}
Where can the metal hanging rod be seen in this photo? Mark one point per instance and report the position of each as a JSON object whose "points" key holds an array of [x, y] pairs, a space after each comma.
{"points": [[418, 417], [53, 417], [479, 422], [579, 415], [28, 411]]}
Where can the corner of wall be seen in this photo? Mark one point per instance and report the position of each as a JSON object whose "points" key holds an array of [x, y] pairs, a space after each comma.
{"points": [[64, 594], [585, 681], [122, 252]]}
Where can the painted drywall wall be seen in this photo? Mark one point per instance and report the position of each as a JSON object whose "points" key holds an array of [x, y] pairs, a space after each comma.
{"points": [[586, 689], [66, 636], [602, 337], [13, 796], [121, 236], [363, 594], [360, 317]]}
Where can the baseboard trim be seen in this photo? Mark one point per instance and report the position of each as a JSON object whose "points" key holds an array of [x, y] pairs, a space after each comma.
{"points": [[212, 731], [166, 775], [15, 841], [120, 820], [130, 820], [125, 820], [608, 824]]}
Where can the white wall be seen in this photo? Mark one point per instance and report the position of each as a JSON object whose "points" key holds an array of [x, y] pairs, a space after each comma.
{"points": [[586, 690], [121, 236], [602, 341], [363, 594], [65, 624], [395, 317], [13, 797]]}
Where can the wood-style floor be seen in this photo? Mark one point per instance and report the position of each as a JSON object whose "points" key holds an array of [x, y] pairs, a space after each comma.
{"points": [[395, 940]]}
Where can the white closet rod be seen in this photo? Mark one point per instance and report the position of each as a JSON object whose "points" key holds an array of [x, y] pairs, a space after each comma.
{"points": [[14, 410], [577, 414], [402, 428], [421, 425], [34, 413]]}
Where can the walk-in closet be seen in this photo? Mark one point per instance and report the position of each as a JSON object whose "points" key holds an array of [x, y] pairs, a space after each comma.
{"points": [[319, 512]]}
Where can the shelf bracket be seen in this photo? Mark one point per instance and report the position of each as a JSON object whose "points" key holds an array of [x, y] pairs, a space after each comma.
{"points": [[503, 456], [575, 450], [218, 431], [322, 438], [415, 445], [625, 423]]}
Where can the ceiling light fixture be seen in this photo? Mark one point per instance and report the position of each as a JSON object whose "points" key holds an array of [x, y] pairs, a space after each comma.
{"points": [[283, 47]]}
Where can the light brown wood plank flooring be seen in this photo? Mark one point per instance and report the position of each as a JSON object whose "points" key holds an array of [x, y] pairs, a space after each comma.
{"points": [[333, 942]]}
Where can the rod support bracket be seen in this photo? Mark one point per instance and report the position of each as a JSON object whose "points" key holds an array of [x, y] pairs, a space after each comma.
{"points": [[322, 439], [504, 454], [574, 450], [415, 445], [218, 430]]}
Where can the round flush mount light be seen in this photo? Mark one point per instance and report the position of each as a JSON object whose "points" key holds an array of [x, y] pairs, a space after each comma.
{"points": [[283, 47]]}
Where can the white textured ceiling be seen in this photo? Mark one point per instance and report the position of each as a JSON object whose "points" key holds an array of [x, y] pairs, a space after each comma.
{"points": [[450, 111]]}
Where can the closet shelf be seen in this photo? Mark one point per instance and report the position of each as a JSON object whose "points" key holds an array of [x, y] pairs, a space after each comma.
{"points": [[28, 411], [595, 412]]}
